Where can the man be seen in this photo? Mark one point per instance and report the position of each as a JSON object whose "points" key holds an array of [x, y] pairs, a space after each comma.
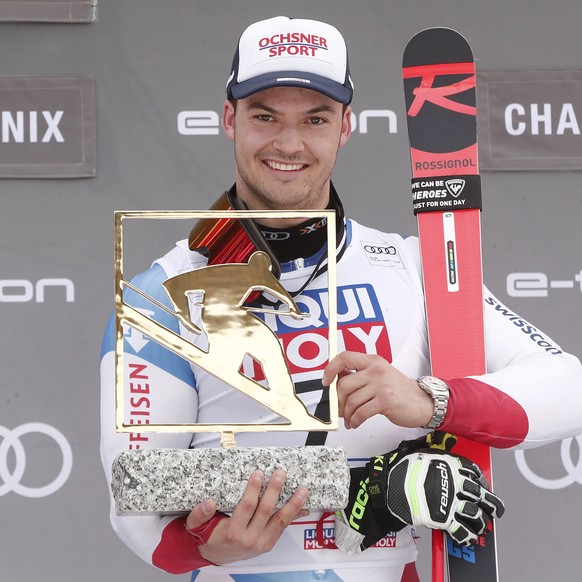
{"points": [[288, 114]]}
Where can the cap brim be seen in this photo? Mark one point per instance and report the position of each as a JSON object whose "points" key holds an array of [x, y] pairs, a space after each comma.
{"points": [[331, 89]]}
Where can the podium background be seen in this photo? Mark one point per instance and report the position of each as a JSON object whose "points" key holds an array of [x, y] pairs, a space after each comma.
{"points": [[152, 60]]}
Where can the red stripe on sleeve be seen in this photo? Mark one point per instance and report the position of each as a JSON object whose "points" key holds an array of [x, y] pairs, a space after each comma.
{"points": [[485, 414]]}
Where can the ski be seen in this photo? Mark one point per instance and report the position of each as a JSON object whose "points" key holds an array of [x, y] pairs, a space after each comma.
{"points": [[439, 86]]}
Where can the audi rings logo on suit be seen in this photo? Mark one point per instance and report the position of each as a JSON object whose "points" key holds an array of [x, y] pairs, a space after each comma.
{"points": [[380, 250]]}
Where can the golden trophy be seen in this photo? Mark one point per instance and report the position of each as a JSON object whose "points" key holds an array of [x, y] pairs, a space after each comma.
{"points": [[173, 480]]}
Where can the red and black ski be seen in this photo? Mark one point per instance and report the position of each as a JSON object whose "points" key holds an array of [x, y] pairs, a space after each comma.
{"points": [[439, 87]]}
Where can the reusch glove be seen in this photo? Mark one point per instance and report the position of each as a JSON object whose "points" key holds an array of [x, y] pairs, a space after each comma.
{"points": [[419, 483], [442, 491]]}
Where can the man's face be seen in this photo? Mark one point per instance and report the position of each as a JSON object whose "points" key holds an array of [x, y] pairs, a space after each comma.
{"points": [[286, 143]]}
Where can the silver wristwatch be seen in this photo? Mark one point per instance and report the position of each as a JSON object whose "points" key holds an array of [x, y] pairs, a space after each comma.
{"points": [[439, 391]]}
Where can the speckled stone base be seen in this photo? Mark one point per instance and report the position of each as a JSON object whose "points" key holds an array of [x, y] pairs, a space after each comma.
{"points": [[165, 481]]}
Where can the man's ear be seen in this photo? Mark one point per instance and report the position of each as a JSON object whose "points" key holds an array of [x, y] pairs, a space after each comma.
{"points": [[346, 126], [228, 112]]}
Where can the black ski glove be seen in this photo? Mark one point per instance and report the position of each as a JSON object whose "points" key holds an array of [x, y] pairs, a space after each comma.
{"points": [[419, 483]]}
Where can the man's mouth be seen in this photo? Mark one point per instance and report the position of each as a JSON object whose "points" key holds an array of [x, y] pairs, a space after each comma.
{"points": [[284, 167]]}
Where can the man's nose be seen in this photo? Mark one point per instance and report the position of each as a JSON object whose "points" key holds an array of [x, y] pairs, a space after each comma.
{"points": [[289, 140]]}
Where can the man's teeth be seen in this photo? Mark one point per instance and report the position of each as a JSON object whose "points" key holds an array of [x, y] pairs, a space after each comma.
{"points": [[284, 167]]}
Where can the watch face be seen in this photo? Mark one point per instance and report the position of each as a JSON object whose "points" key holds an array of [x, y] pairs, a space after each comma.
{"points": [[434, 383]]}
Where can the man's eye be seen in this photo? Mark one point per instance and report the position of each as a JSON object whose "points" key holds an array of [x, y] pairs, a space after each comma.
{"points": [[264, 117], [316, 120]]}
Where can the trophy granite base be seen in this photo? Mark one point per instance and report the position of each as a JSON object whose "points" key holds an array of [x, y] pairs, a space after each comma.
{"points": [[172, 481]]}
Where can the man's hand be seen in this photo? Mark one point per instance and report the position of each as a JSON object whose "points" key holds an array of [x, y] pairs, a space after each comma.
{"points": [[369, 385], [254, 526]]}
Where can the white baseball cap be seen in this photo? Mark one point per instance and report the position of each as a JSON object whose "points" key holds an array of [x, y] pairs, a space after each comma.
{"points": [[291, 52]]}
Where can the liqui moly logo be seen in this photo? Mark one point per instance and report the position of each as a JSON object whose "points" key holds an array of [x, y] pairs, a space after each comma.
{"points": [[361, 328], [326, 540]]}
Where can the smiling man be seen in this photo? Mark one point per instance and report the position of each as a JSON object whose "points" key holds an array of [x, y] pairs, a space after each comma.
{"points": [[286, 143], [288, 113]]}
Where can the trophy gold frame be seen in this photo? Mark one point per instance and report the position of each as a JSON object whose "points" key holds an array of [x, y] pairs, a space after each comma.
{"points": [[326, 491]]}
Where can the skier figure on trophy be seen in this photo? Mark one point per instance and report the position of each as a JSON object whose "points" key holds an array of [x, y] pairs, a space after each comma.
{"points": [[218, 294]]}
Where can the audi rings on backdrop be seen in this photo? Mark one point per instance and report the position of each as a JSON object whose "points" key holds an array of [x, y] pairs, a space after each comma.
{"points": [[11, 440], [572, 467]]}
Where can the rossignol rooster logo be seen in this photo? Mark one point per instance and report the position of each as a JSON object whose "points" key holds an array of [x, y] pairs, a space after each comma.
{"points": [[426, 91], [455, 186], [439, 90], [439, 97]]}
